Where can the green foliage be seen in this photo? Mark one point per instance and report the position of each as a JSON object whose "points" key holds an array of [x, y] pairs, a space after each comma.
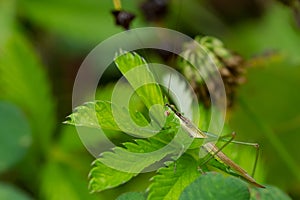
{"points": [[132, 195], [103, 177], [11, 192], [23, 82], [118, 166], [39, 38], [273, 129], [137, 72], [15, 135], [60, 182], [171, 180], [270, 193], [124, 161], [28, 88], [7, 12], [216, 186], [93, 114], [125, 158], [82, 116]]}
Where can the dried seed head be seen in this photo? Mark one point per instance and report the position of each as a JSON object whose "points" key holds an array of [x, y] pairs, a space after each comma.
{"points": [[123, 18]]}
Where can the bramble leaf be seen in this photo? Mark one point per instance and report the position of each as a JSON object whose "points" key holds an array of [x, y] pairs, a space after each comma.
{"points": [[117, 167], [138, 74], [268, 193], [103, 177], [103, 114], [132, 196], [216, 186], [171, 180]]}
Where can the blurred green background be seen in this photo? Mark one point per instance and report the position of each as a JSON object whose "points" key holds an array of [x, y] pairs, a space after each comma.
{"points": [[43, 42]]}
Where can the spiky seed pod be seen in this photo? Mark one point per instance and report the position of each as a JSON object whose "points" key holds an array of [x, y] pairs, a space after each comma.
{"points": [[212, 52]]}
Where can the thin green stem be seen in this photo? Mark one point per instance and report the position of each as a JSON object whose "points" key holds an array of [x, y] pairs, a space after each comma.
{"points": [[117, 4], [273, 139]]}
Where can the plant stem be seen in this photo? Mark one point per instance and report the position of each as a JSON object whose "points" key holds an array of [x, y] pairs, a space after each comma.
{"points": [[117, 4]]}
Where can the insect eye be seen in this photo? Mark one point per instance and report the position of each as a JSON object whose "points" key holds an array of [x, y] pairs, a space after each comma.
{"points": [[167, 113]]}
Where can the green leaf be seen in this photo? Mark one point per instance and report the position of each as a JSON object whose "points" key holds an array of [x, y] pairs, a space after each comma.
{"points": [[23, 81], [171, 180], [103, 177], [215, 186], [137, 72], [59, 182], [142, 80], [10, 192], [114, 117], [269, 193], [103, 114], [85, 116], [7, 14], [128, 162], [15, 136], [132, 196]]}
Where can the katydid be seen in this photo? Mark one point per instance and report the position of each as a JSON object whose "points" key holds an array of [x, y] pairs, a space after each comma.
{"points": [[211, 148]]}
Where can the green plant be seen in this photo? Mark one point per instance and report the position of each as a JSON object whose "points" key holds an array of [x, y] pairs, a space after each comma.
{"points": [[43, 42], [179, 179]]}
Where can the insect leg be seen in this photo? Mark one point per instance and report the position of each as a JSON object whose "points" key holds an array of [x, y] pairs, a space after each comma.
{"points": [[214, 153]]}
